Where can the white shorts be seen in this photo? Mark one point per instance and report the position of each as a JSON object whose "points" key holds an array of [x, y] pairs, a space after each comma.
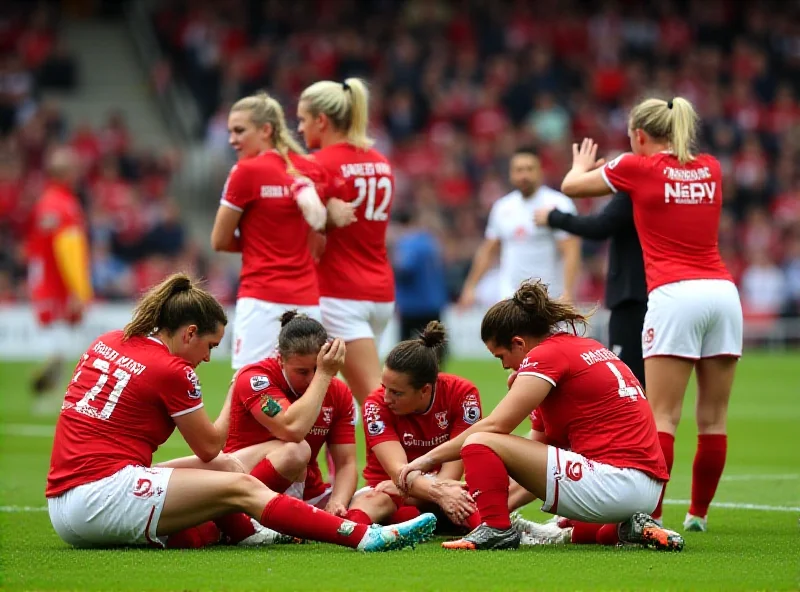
{"points": [[693, 319], [122, 509], [256, 325], [590, 491], [355, 319], [296, 491]]}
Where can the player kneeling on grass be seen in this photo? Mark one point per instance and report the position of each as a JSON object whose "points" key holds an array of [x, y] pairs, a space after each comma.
{"points": [[416, 409], [130, 390], [614, 471]]}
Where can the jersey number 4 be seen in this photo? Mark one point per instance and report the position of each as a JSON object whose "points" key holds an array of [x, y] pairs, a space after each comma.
{"points": [[625, 389], [367, 188], [83, 406]]}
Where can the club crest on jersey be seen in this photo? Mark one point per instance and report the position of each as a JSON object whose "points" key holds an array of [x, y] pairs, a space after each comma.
{"points": [[441, 420], [327, 414], [195, 392], [259, 383], [270, 406], [472, 413], [376, 428]]}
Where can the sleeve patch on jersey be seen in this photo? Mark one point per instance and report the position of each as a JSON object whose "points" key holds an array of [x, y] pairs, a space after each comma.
{"points": [[270, 406], [376, 428], [194, 392], [615, 162], [259, 383], [472, 413]]}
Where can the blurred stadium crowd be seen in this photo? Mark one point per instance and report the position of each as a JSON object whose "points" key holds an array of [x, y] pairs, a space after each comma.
{"points": [[456, 87]]}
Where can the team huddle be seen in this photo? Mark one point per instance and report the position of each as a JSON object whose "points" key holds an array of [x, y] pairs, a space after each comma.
{"points": [[316, 293]]}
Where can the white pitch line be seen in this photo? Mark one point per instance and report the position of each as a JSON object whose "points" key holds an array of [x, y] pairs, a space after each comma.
{"points": [[18, 509], [736, 506], [784, 477]]}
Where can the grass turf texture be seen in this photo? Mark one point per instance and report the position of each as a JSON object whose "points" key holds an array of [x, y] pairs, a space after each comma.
{"points": [[744, 550]]}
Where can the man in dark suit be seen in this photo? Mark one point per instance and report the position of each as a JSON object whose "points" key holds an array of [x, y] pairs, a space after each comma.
{"points": [[626, 291]]}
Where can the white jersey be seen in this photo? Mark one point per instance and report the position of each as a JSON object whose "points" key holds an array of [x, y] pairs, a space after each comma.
{"points": [[527, 250]]}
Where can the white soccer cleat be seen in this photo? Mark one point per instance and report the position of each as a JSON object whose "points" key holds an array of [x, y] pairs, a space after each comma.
{"points": [[536, 530], [695, 523], [264, 537]]}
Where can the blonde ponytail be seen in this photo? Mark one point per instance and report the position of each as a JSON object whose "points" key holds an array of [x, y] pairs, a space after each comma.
{"points": [[674, 121], [345, 104], [263, 110]]}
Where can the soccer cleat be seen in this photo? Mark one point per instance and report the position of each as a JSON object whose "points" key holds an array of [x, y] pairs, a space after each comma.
{"points": [[486, 538], [398, 536], [641, 529], [695, 523], [264, 537], [550, 536], [549, 530]]}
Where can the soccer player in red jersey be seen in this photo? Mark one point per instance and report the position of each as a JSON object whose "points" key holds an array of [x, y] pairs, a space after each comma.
{"points": [[58, 264], [271, 200], [356, 281], [130, 390], [694, 315], [614, 470], [416, 409]]}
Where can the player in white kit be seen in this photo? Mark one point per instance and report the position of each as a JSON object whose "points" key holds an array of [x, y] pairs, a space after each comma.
{"points": [[526, 250]]}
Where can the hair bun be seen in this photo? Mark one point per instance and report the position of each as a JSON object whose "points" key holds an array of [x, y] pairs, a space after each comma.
{"points": [[434, 335], [288, 316], [531, 295]]}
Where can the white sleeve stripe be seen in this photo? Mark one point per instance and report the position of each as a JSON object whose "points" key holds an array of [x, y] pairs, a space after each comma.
{"points": [[608, 182], [537, 374], [225, 202], [185, 411]]}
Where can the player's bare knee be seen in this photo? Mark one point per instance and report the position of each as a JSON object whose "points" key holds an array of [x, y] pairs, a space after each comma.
{"points": [[231, 464], [484, 438], [242, 489], [297, 455], [376, 504]]}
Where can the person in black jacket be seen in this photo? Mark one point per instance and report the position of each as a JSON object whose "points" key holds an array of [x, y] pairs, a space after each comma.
{"points": [[626, 291]]}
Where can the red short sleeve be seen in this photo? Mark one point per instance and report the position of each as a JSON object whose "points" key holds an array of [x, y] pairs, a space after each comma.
{"points": [[253, 388], [546, 362], [468, 411], [623, 173], [180, 391], [238, 190], [378, 423], [343, 428]]}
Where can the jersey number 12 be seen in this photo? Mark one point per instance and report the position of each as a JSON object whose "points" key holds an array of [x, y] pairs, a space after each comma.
{"points": [[367, 188]]}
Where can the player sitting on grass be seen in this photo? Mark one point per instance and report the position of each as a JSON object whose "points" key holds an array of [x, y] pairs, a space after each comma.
{"points": [[614, 471], [130, 390], [416, 409]]}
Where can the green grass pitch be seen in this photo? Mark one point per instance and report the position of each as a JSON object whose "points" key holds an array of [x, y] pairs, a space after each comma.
{"points": [[753, 544]]}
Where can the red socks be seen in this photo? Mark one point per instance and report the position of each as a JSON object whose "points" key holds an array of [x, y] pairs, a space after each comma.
{"points": [[235, 527], [358, 516], [195, 537], [266, 473], [296, 518], [585, 533], [607, 535], [709, 462], [404, 513], [487, 479], [474, 521], [667, 442]]}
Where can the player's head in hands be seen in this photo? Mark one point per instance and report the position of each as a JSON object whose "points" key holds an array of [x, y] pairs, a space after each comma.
{"points": [[512, 327], [299, 342], [257, 123], [411, 369], [330, 112], [186, 318], [657, 125]]}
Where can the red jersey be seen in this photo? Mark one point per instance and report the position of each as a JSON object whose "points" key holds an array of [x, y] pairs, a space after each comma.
{"points": [[597, 406], [119, 409], [676, 209], [355, 265], [57, 210], [276, 263], [456, 405], [255, 382]]}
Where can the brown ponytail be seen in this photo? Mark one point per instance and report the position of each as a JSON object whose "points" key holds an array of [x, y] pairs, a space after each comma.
{"points": [[175, 302], [530, 312]]}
